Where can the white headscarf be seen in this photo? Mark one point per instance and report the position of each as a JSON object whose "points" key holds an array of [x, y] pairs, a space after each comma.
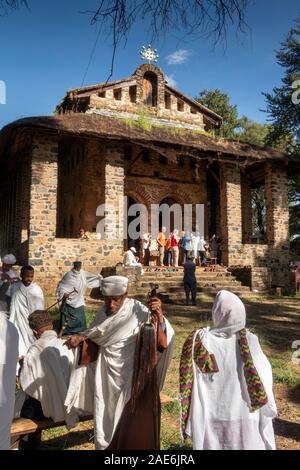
{"points": [[228, 314]]}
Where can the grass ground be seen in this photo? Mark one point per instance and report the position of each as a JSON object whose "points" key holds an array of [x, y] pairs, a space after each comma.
{"points": [[275, 321]]}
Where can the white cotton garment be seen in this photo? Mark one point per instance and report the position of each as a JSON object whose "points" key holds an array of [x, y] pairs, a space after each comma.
{"points": [[116, 335], [80, 280], [8, 363], [24, 301], [220, 417], [45, 374]]}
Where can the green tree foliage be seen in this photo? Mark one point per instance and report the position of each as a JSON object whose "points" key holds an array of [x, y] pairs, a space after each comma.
{"points": [[283, 107], [252, 132], [219, 102]]}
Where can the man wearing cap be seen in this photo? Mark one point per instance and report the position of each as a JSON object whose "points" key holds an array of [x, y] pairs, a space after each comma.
{"points": [[7, 277], [75, 282], [115, 329], [26, 297], [46, 369]]}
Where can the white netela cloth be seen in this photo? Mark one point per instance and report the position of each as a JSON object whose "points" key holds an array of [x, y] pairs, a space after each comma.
{"points": [[220, 416], [116, 335], [8, 364], [45, 374], [80, 280], [24, 301]]}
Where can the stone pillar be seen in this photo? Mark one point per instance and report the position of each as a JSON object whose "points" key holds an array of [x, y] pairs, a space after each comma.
{"points": [[114, 177], [246, 208], [277, 222], [231, 213], [43, 198]]}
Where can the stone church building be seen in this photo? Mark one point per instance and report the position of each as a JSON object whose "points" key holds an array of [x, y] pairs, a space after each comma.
{"points": [[141, 138]]}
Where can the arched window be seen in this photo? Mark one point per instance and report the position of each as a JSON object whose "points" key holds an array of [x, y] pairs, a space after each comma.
{"points": [[150, 89]]}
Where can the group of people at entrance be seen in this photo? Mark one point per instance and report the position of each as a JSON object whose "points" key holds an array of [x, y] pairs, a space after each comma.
{"points": [[116, 367], [174, 250]]}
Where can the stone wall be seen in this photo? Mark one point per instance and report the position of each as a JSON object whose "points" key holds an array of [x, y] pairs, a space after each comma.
{"points": [[278, 223], [94, 254], [258, 279], [231, 213]]}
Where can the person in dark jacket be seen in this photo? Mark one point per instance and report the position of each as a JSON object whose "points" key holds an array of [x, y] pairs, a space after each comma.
{"points": [[189, 280]]}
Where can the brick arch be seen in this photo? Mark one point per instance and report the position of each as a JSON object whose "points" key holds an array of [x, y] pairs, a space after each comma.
{"points": [[139, 194], [139, 76], [180, 197], [142, 69]]}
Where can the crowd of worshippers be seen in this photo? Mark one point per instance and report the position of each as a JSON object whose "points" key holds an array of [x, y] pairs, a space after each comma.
{"points": [[114, 369], [174, 250]]}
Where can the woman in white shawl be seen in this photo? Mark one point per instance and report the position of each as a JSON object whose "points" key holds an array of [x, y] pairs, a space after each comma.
{"points": [[226, 384]]}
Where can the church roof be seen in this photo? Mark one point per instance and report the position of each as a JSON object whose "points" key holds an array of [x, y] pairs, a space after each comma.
{"points": [[167, 141]]}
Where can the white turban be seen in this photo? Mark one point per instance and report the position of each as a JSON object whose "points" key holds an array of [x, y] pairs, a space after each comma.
{"points": [[9, 259], [114, 285]]}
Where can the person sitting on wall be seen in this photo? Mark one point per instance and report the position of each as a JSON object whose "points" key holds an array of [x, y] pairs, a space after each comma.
{"points": [[83, 234], [130, 260], [71, 291], [46, 369]]}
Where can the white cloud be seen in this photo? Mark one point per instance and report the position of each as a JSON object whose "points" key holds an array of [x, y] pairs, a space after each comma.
{"points": [[178, 57], [171, 81]]}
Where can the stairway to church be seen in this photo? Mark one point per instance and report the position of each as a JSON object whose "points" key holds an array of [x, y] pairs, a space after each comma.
{"points": [[171, 283]]}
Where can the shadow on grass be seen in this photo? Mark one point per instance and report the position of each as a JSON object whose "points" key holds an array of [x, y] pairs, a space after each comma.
{"points": [[287, 429], [294, 395], [69, 440]]}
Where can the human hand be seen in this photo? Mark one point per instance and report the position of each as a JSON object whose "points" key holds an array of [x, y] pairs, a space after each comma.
{"points": [[74, 341], [155, 306]]}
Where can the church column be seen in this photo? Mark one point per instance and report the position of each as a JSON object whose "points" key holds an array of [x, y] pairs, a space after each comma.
{"points": [[231, 213], [114, 177], [277, 222], [43, 198]]}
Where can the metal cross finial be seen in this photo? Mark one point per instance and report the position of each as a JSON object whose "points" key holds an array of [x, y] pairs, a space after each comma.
{"points": [[149, 54]]}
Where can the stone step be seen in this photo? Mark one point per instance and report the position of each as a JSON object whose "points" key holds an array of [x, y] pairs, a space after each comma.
{"points": [[180, 291], [180, 274], [179, 283]]}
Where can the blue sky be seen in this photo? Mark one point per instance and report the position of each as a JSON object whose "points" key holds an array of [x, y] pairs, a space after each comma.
{"points": [[45, 51]]}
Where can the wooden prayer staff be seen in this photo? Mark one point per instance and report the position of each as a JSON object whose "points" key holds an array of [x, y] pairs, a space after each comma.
{"points": [[62, 299]]}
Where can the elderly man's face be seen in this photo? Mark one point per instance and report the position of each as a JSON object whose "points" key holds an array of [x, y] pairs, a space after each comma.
{"points": [[113, 304]]}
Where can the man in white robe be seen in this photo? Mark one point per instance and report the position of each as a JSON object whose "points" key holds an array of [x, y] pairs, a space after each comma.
{"points": [[130, 259], [115, 329], [76, 281], [195, 242], [46, 368], [221, 414], [7, 277], [8, 364], [26, 297]]}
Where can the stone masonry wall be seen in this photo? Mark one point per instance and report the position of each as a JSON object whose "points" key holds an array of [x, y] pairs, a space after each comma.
{"points": [[231, 213], [277, 222]]}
